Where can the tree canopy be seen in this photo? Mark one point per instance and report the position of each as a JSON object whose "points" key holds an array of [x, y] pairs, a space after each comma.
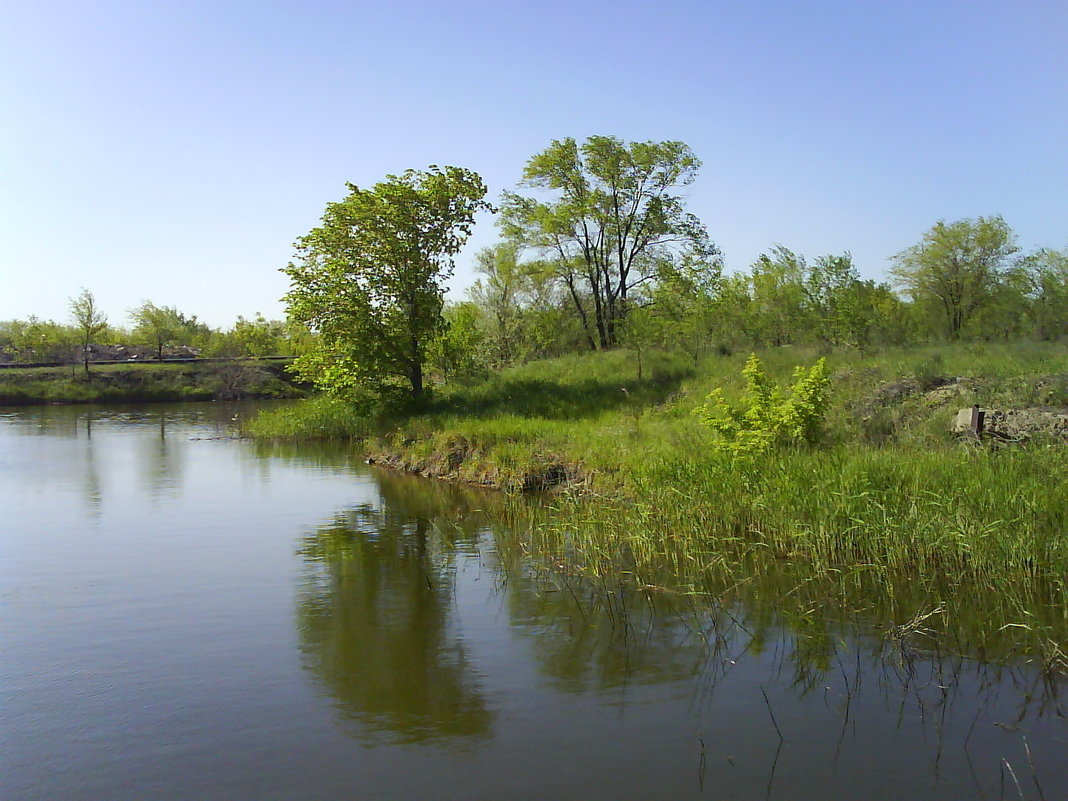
{"points": [[958, 266], [370, 279], [612, 218], [163, 326]]}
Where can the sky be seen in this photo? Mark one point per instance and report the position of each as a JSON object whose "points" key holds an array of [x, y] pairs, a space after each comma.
{"points": [[173, 152]]}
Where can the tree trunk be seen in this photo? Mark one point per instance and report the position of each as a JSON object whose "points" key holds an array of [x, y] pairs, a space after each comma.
{"points": [[582, 312], [416, 378]]}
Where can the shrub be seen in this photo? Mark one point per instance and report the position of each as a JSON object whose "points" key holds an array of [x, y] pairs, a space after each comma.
{"points": [[767, 418]]}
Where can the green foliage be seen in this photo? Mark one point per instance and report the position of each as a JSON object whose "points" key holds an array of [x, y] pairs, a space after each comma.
{"points": [[524, 314], [164, 326], [459, 350], [89, 321], [890, 502], [614, 218], [768, 418], [36, 340], [370, 279], [259, 336], [1047, 272], [957, 268], [685, 309]]}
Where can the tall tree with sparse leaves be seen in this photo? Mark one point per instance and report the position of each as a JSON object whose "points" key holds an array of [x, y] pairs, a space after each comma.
{"points": [[612, 218], [370, 279], [89, 321]]}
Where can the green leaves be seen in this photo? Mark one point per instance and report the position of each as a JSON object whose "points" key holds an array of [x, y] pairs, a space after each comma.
{"points": [[768, 418], [370, 279], [614, 217], [957, 267]]}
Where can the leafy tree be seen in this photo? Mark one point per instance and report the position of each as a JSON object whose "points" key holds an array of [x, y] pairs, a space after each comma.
{"points": [[779, 301], [846, 310], [874, 314], [1048, 274], [687, 303], [1006, 313], [957, 267], [523, 312], [89, 321], [157, 326], [500, 294], [369, 279], [259, 336], [830, 285], [735, 321], [36, 340], [613, 218]]}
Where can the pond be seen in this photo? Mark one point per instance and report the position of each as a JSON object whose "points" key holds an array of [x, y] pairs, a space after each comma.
{"points": [[188, 615]]}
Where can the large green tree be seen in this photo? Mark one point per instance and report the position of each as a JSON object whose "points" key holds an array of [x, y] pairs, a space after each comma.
{"points": [[957, 267], [370, 279], [607, 214]]}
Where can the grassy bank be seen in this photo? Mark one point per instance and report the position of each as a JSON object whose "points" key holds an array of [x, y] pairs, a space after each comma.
{"points": [[146, 382], [890, 497]]}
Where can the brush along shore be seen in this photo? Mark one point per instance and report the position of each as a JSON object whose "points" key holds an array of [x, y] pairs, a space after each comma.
{"points": [[888, 483]]}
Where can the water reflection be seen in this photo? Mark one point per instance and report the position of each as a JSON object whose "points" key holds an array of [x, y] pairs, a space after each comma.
{"points": [[161, 460], [376, 628], [824, 689], [469, 632], [92, 490], [597, 636]]}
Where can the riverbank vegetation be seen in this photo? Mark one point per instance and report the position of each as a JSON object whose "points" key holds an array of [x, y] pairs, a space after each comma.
{"points": [[155, 333], [888, 484], [149, 382]]}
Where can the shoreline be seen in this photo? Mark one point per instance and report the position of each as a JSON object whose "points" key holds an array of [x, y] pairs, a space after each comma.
{"points": [[167, 381]]}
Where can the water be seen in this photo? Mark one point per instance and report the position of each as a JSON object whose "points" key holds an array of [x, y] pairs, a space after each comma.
{"points": [[184, 615]]}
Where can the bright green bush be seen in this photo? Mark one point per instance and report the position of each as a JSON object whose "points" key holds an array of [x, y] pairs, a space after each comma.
{"points": [[768, 418]]}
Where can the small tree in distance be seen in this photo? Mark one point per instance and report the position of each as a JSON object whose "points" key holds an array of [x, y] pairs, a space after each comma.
{"points": [[89, 322], [158, 326]]}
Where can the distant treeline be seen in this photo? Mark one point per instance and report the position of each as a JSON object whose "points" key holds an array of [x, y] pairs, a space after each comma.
{"points": [[965, 280], [155, 332], [597, 251]]}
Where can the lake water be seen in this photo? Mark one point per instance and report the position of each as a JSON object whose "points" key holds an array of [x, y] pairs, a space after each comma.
{"points": [[185, 615]]}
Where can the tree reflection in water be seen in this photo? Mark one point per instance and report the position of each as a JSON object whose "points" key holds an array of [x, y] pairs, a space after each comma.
{"points": [[374, 617]]}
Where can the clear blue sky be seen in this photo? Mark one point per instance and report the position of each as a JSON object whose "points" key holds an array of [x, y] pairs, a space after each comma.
{"points": [[174, 151]]}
